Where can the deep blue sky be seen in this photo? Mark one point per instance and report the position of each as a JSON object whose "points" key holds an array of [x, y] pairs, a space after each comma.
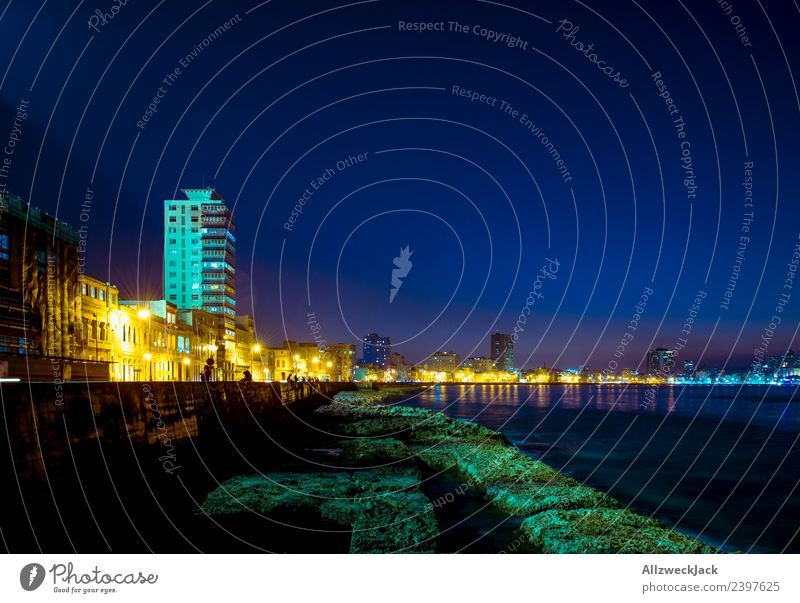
{"points": [[286, 93]]}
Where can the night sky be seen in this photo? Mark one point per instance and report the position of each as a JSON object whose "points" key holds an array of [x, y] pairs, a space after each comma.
{"points": [[290, 89]]}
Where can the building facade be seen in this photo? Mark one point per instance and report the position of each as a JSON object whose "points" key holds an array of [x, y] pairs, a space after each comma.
{"points": [[377, 351], [661, 362], [445, 362], [40, 312], [502, 352]]}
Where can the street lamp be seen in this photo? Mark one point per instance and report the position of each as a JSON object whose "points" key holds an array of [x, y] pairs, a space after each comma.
{"points": [[257, 348], [148, 356]]}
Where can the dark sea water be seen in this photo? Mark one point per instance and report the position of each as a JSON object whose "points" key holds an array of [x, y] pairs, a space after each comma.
{"points": [[721, 463]]}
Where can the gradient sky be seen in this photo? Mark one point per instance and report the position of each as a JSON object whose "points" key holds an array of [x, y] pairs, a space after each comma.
{"points": [[292, 88]]}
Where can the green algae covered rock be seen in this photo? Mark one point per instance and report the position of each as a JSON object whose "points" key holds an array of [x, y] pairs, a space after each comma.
{"points": [[383, 507], [395, 426], [434, 429], [486, 463], [278, 492], [529, 498], [606, 531], [395, 523], [387, 480], [374, 450]]}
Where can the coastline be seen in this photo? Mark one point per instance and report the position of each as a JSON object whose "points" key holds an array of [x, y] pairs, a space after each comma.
{"points": [[372, 455]]}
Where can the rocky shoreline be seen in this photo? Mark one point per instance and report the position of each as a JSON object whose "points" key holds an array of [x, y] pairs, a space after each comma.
{"points": [[371, 459]]}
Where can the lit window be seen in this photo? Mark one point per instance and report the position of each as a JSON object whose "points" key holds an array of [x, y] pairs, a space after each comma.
{"points": [[4, 246]]}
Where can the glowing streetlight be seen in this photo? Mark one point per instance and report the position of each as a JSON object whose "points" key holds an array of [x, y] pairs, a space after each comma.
{"points": [[257, 348], [143, 314], [329, 364], [315, 360], [148, 356], [186, 361]]}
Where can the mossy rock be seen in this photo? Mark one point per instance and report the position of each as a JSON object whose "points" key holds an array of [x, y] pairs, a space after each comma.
{"points": [[384, 507], [341, 512], [486, 463], [395, 523], [529, 498], [387, 480], [606, 531], [371, 451], [277, 492], [433, 430], [378, 427]]}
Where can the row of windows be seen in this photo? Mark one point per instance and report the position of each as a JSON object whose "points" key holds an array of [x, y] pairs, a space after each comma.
{"points": [[97, 293]]}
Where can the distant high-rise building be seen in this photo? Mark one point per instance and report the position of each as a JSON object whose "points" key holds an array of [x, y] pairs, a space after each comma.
{"points": [[502, 352], [377, 350], [661, 362], [689, 368], [200, 256]]}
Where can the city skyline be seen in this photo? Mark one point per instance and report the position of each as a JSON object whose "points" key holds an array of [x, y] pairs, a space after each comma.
{"points": [[352, 203]]}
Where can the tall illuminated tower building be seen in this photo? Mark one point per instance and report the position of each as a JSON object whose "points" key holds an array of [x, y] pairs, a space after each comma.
{"points": [[200, 256], [502, 352]]}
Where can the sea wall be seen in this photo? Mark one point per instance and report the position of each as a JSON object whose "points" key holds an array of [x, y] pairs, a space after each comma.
{"points": [[51, 424]]}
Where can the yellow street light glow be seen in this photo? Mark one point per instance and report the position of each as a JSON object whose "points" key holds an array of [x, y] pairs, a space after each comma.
{"points": [[315, 360], [256, 348], [186, 361], [148, 356], [297, 357], [143, 314], [329, 364]]}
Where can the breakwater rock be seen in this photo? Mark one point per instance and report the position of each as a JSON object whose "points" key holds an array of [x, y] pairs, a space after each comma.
{"points": [[375, 490]]}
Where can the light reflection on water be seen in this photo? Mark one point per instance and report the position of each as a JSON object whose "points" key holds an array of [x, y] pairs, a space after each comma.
{"points": [[723, 462]]}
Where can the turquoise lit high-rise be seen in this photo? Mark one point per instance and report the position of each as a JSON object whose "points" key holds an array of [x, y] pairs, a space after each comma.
{"points": [[200, 256]]}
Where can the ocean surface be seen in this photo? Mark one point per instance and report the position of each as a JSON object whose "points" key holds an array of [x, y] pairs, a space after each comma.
{"points": [[720, 463]]}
